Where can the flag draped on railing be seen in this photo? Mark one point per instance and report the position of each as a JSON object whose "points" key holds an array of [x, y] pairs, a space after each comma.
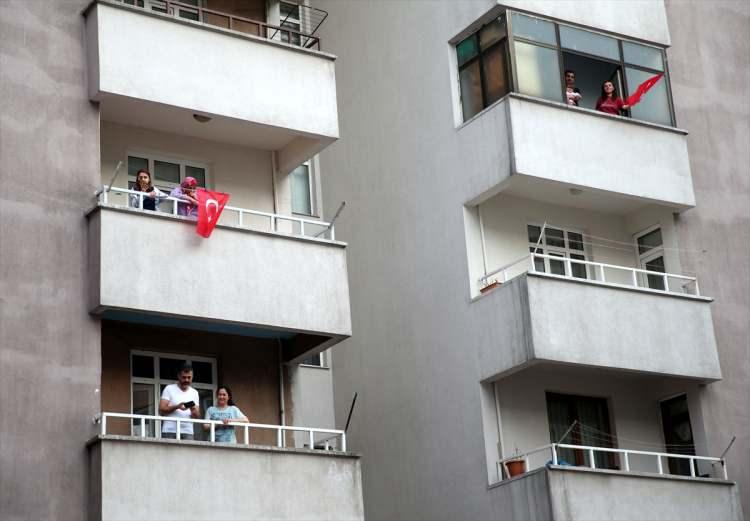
{"points": [[642, 89], [210, 206]]}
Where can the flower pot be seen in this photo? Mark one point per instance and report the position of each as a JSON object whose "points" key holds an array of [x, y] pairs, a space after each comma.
{"points": [[515, 467]]}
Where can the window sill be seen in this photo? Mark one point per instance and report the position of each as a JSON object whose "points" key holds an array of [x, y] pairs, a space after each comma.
{"points": [[310, 366]]}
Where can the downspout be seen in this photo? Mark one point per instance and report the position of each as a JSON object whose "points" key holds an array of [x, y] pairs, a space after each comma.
{"points": [[274, 168], [282, 411]]}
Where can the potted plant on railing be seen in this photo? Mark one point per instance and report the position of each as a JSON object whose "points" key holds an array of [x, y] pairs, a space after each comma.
{"points": [[517, 465]]}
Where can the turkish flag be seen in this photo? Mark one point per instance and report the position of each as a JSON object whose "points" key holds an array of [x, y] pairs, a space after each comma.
{"points": [[642, 89], [210, 206]]}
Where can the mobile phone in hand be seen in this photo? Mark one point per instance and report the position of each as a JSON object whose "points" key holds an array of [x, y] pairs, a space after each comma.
{"points": [[189, 404]]}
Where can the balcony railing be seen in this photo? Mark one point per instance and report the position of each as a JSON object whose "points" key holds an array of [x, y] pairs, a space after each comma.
{"points": [[298, 225], [552, 450], [325, 442], [312, 17], [638, 278]]}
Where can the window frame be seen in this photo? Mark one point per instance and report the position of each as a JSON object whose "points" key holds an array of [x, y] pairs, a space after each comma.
{"points": [[166, 186], [311, 190], [654, 253], [157, 380], [324, 361], [566, 250]]}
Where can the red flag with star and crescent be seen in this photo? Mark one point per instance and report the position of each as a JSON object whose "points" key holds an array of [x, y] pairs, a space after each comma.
{"points": [[642, 89], [210, 206]]}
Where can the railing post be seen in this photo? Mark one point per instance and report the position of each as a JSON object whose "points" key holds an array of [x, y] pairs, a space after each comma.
{"points": [[724, 466], [601, 268], [174, 206], [240, 219], [333, 238], [104, 424], [692, 467], [302, 227], [105, 197], [697, 291], [178, 430], [532, 268], [635, 277], [626, 458], [278, 437], [140, 201], [554, 454], [343, 444], [658, 464], [312, 439], [213, 432], [247, 435], [666, 282], [143, 427], [569, 266], [592, 463]]}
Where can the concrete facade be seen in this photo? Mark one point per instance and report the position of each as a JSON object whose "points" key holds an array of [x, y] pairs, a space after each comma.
{"points": [[324, 485], [416, 357]]}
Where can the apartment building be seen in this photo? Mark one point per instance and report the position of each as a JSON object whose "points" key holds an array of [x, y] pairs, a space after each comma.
{"points": [[549, 303], [103, 299]]}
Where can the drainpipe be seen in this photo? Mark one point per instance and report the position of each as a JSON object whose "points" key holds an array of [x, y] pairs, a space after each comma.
{"points": [[282, 412], [274, 169]]}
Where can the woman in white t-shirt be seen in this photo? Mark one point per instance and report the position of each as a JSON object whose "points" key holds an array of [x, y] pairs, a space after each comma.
{"points": [[224, 411]]}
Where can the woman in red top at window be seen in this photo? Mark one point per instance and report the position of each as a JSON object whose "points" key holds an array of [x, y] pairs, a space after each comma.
{"points": [[609, 102]]}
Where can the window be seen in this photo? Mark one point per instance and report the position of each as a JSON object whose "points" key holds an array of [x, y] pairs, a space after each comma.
{"points": [[151, 372], [302, 194], [318, 360], [483, 67], [678, 433], [557, 242], [290, 19], [165, 173], [651, 257], [542, 50], [592, 428]]}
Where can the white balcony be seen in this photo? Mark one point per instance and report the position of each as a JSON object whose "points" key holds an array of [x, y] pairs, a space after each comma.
{"points": [[622, 324], [244, 480], [550, 152], [265, 281], [156, 71]]}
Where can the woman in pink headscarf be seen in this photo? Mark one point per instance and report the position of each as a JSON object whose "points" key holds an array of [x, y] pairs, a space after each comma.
{"points": [[188, 205]]}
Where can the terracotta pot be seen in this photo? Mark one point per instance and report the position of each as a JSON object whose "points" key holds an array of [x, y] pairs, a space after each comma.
{"points": [[515, 467]]}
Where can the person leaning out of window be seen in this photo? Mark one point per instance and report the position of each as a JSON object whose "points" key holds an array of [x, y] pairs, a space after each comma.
{"points": [[224, 411], [152, 195], [609, 101]]}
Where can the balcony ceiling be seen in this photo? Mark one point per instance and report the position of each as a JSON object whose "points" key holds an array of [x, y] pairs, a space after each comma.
{"points": [[174, 120]]}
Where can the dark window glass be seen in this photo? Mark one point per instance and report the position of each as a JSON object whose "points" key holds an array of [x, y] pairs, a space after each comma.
{"points": [[557, 267], [534, 29], [289, 10], [643, 55], [654, 105], [471, 90], [649, 241], [554, 237], [169, 172], [491, 33], [575, 241], [143, 366], [135, 164], [533, 232], [538, 261], [467, 49], [579, 270], [169, 367], [656, 281], [202, 372], [588, 42], [313, 360], [198, 173], [496, 84]]}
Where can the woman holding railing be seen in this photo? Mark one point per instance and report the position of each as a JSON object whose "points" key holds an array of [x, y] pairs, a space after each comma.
{"points": [[151, 195], [224, 411]]}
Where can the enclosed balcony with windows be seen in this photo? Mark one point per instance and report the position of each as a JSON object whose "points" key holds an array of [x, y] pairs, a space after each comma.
{"points": [[563, 284], [529, 90], [249, 71], [584, 443]]}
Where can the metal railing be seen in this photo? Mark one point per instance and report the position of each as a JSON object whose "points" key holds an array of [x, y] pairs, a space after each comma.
{"points": [[238, 23], [332, 434], [637, 277], [625, 455], [299, 225]]}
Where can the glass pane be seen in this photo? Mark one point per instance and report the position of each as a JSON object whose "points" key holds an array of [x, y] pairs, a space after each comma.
{"points": [[135, 164], [643, 55], [538, 71], [289, 36], [202, 372], [491, 33], [656, 281], [289, 10], [654, 105], [579, 270], [313, 360], [169, 172], [190, 15], [538, 261], [554, 237], [301, 190], [198, 173], [533, 232], [471, 90], [467, 49], [575, 241], [588, 42], [649, 241], [206, 400], [496, 83], [557, 267], [143, 403], [143, 366], [533, 29], [169, 367]]}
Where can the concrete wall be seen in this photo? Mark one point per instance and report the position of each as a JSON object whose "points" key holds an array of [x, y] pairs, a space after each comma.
{"points": [[407, 174], [252, 278], [244, 173], [49, 345], [312, 395], [232, 483], [591, 495], [206, 70], [709, 63]]}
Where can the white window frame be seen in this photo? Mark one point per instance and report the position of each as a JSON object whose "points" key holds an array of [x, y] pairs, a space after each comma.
{"points": [[166, 186], [158, 379], [563, 252], [311, 188], [323, 361], [654, 253], [291, 21]]}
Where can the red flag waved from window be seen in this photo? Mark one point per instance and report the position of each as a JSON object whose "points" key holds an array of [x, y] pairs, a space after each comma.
{"points": [[642, 89], [210, 206]]}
